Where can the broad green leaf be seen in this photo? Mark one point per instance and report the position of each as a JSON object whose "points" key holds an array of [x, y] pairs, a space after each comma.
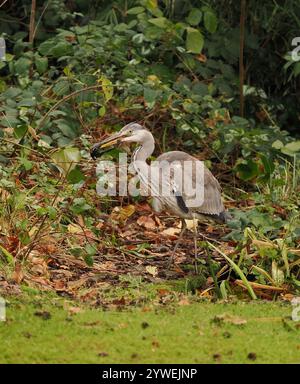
{"points": [[194, 17], [66, 128], [89, 260], [41, 64], [75, 175], [20, 130], [61, 88], [8, 255], [66, 158], [247, 170], [277, 144], [135, 10], [27, 164], [107, 88], [55, 48], [62, 48], [210, 21], [160, 22], [52, 212], [102, 111], [291, 148], [46, 46], [194, 40], [150, 96], [22, 65]]}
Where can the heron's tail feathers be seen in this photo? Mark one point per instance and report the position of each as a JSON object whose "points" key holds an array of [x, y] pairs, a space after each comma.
{"points": [[225, 216], [220, 218]]}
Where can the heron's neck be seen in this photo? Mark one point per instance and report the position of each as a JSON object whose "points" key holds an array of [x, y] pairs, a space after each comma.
{"points": [[144, 150], [140, 165]]}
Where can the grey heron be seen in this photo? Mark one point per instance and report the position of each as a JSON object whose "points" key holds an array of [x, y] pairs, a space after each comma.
{"points": [[180, 201]]}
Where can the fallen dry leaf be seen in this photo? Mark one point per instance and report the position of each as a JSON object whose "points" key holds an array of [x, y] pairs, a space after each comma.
{"points": [[74, 310], [147, 222], [121, 214], [184, 301], [151, 270], [18, 275], [171, 231], [190, 224], [229, 319], [74, 228]]}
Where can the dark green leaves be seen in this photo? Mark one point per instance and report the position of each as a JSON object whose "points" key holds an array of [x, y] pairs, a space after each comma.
{"points": [[247, 170], [41, 64], [76, 176], [135, 10], [194, 17], [150, 96], [210, 21], [22, 65], [259, 170], [56, 49], [160, 22]]}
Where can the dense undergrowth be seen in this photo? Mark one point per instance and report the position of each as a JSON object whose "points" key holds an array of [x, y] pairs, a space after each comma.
{"points": [[86, 72]]}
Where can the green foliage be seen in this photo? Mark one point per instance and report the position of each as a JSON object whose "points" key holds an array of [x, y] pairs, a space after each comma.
{"points": [[172, 65]]}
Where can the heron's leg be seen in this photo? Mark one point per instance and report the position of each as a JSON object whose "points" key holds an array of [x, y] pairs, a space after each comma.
{"points": [[183, 228], [195, 243]]}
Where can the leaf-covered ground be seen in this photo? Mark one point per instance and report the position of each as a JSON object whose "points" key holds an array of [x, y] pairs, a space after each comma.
{"points": [[46, 329]]}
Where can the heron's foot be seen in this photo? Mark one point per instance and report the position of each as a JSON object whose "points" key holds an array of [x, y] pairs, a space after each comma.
{"points": [[196, 266]]}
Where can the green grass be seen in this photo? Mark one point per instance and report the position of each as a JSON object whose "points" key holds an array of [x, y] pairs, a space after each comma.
{"points": [[181, 334]]}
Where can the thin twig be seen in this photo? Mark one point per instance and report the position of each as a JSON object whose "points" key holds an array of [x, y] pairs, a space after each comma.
{"points": [[3, 2], [242, 67], [63, 100], [32, 21], [39, 20]]}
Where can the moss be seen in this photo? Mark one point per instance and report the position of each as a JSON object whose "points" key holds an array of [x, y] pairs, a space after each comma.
{"points": [[46, 329]]}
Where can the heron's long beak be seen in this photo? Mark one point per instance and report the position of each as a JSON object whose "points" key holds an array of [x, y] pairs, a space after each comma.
{"points": [[99, 148]]}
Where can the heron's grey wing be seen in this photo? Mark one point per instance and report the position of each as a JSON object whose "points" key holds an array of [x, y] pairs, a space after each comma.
{"points": [[212, 202]]}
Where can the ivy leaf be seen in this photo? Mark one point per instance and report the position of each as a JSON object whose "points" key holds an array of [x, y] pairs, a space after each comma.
{"points": [[194, 40]]}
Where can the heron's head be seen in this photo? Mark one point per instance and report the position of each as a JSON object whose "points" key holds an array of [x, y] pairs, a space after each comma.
{"points": [[130, 133]]}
